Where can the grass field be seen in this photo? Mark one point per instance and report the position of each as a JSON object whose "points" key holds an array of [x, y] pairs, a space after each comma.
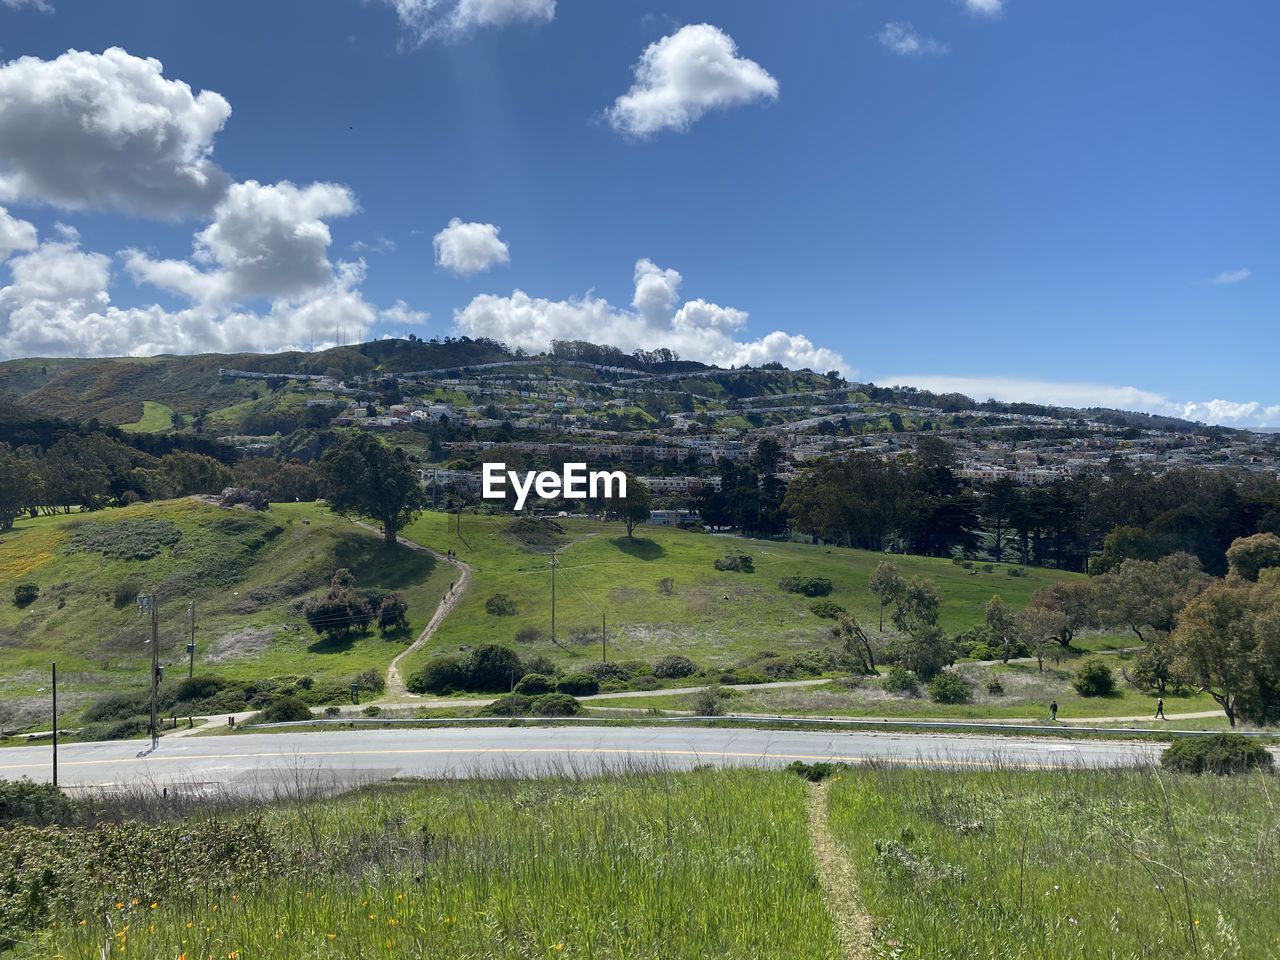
{"points": [[245, 571], [728, 864], [156, 418], [717, 618]]}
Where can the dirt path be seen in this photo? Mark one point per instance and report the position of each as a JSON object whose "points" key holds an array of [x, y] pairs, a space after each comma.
{"points": [[853, 925]]}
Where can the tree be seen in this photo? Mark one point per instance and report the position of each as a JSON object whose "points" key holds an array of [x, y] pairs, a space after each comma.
{"points": [[1249, 556], [1074, 604], [916, 606], [1036, 628], [635, 508], [1154, 667], [857, 646], [365, 477], [1146, 595], [20, 486], [1000, 624], [922, 647], [1227, 641], [886, 583], [998, 507], [340, 610]]}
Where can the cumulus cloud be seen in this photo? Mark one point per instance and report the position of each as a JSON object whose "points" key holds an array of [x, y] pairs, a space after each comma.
{"points": [[1082, 395], [988, 8], [400, 314], [1233, 276], [682, 76], [427, 19], [902, 39], [108, 132], [467, 248], [266, 240], [40, 5], [697, 330], [15, 235]]}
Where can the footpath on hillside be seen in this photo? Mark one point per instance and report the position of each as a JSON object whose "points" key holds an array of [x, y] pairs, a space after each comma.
{"points": [[854, 928]]}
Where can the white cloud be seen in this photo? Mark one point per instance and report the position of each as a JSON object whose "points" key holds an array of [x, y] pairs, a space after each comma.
{"points": [[15, 235], [379, 244], [682, 76], [901, 38], [108, 131], [1233, 276], [467, 248], [41, 5], [698, 330], [988, 8], [400, 314], [427, 19], [265, 241], [1081, 395]]}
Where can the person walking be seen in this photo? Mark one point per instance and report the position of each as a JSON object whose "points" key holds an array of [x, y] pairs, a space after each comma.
{"points": [[1160, 709], [1053, 711]]}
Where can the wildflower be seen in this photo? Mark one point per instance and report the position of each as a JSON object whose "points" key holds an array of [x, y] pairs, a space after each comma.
{"points": [[119, 905], [154, 904], [135, 901], [1196, 921], [558, 947], [331, 936], [83, 922], [391, 921], [233, 955]]}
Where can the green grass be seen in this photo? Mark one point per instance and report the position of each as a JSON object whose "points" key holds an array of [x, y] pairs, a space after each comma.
{"points": [[673, 866], [716, 618], [156, 418], [1046, 865], [245, 571]]}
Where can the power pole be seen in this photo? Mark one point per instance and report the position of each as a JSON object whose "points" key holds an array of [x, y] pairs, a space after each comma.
{"points": [[147, 604], [554, 564], [53, 667], [191, 644], [604, 642]]}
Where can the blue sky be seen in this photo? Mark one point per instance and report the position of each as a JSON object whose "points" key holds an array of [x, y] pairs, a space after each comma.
{"points": [[1069, 202]]}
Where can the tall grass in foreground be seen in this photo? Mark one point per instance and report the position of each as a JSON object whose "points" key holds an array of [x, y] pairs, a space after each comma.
{"points": [[696, 865], [1081, 864]]}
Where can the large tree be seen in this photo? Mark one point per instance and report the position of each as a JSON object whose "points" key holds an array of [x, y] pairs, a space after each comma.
{"points": [[365, 477], [20, 486], [886, 583], [633, 509]]}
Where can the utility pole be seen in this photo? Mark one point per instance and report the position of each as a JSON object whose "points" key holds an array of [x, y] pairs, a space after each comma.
{"points": [[554, 564], [147, 604], [191, 644], [604, 642], [53, 667]]}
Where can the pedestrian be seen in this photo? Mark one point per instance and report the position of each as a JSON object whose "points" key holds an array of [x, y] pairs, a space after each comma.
{"points": [[1160, 709], [1053, 711]]}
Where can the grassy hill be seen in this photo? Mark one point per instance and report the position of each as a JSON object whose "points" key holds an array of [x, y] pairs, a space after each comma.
{"points": [[714, 617], [246, 571]]}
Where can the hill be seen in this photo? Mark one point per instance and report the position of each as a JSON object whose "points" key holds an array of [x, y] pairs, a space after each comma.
{"points": [[716, 618], [246, 572]]}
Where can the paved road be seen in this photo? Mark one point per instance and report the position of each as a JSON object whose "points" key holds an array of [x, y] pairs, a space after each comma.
{"points": [[268, 760]]}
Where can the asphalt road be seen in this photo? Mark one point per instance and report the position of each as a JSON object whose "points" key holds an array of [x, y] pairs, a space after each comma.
{"points": [[250, 762]]}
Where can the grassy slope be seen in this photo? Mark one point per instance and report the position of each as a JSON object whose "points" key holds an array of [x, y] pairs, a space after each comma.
{"points": [[711, 616], [156, 418], [246, 626]]}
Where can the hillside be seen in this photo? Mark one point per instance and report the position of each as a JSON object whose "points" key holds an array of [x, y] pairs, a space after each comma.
{"points": [[716, 618], [246, 571]]}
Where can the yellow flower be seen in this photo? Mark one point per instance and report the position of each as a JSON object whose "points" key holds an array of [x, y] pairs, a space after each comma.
{"points": [[154, 904], [233, 955], [1196, 921], [119, 905], [331, 936], [135, 901], [391, 921], [83, 922], [558, 947]]}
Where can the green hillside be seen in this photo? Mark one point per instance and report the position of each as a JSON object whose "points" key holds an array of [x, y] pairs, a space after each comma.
{"points": [[246, 571], [713, 617]]}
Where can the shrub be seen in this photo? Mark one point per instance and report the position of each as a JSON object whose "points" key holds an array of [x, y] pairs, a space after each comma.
{"points": [[25, 594], [125, 594], [666, 586], [710, 701], [118, 706], [133, 538], [332, 712], [539, 663], [982, 651], [994, 686], [370, 681], [438, 675], [530, 635], [1221, 753], [500, 605], [647, 682], [340, 610], [738, 562], [555, 705], [813, 772], [534, 684], [578, 685], [949, 687], [827, 609], [808, 586], [32, 804], [1094, 679], [988, 568], [393, 614], [372, 710], [283, 710], [1016, 572], [491, 668], [203, 687], [607, 670], [901, 680], [637, 668], [674, 666], [507, 705]]}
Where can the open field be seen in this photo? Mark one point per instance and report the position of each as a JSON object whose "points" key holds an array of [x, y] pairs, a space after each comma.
{"points": [[156, 418], [245, 571], [716, 618], [875, 862]]}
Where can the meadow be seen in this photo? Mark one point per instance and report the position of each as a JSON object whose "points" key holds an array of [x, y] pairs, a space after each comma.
{"points": [[739, 863], [715, 617]]}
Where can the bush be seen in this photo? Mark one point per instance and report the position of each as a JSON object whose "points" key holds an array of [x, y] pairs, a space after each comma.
{"points": [[637, 668], [507, 705], [118, 706], [372, 710], [535, 684], [607, 670], [125, 593], [491, 669], [32, 804], [500, 605], [393, 614], [578, 685], [646, 682], [555, 705], [283, 710], [827, 609], [983, 651], [438, 675], [1221, 753], [737, 562], [370, 681], [539, 663], [901, 680], [814, 772], [809, 586], [1094, 679], [25, 594], [674, 666], [710, 702], [530, 635], [949, 687], [994, 686]]}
